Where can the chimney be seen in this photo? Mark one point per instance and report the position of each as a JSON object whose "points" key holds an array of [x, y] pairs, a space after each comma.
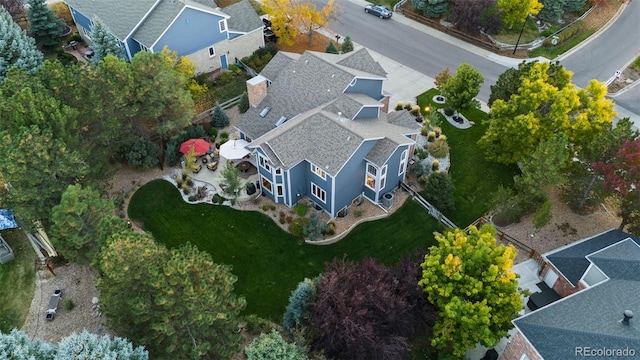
{"points": [[628, 314], [256, 89]]}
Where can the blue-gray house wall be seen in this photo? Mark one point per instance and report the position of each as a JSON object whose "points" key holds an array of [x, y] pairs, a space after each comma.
{"points": [[370, 87], [368, 112], [191, 31], [349, 182], [393, 166], [80, 20], [299, 180], [325, 184]]}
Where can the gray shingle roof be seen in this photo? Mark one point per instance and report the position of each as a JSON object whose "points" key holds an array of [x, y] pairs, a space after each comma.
{"points": [[362, 60], [350, 104], [381, 151], [280, 61], [588, 318], [243, 17], [572, 260], [303, 84], [403, 118], [121, 16]]}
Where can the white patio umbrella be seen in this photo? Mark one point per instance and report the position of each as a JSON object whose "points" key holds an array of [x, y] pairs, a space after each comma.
{"points": [[234, 149]]}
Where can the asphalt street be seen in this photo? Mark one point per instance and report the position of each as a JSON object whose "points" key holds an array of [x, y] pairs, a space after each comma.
{"points": [[428, 51]]}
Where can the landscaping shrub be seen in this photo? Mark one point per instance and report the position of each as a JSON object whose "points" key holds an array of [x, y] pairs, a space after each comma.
{"points": [[235, 69], [265, 207], [315, 228], [256, 325], [244, 105], [192, 198], [259, 59], [431, 136], [289, 219], [68, 304], [217, 199], [420, 169], [273, 207], [296, 227], [550, 31], [421, 153], [424, 131], [331, 48], [219, 118], [300, 209], [435, 165], [143, 153], [399, 105], [75, 37], [408, 105], [213, 133], [439, 148], [448, 111], [566, 34]]}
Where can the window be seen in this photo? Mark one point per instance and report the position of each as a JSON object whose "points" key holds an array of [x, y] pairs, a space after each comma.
{"points": [[383, 177], [318, 171], [212, 52], [278, 171], [280, 190], [143, 48], [223, 25], [264, 163], [85, 33], [318, 192], [266, 184], [370, 177], [403, 162]]}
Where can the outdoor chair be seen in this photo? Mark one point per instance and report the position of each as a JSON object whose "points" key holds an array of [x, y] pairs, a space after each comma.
{"points": [[198, 168], [212, 165]]}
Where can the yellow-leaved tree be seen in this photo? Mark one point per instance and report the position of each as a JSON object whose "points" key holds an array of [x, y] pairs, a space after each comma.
{"points": [[186, 67], [468, 278], [516, 11], [292, 17]]}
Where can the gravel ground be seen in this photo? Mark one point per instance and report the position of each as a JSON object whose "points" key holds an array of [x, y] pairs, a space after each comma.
{"points": [[77, 285]]}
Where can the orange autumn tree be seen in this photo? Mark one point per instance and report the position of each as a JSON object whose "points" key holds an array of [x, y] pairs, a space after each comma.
{"points": [[292, 17]]}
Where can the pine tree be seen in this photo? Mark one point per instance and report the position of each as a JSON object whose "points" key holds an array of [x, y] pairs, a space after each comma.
{"points": [[45, 25], [219, 118], [243, 105], [103, 42], [347, 45], [331, 48], [16, 48]]}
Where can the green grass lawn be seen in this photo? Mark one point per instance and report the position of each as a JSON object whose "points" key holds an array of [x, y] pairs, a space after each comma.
{"points": [[510, 35], [268, 261], [555, 51], [475, 179], [17, 281]]}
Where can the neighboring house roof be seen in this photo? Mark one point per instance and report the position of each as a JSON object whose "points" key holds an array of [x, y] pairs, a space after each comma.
{"points": [[591, 317], [147, 20], [572, 260], [243, 17], [303, 84], [121, 16]]}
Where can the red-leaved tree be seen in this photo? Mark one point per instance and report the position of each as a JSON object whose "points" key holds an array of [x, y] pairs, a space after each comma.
{"points": [[622, 179], [368, 311]]}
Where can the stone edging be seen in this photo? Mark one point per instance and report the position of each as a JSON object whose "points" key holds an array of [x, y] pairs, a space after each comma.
{"points": [[340, 236]]}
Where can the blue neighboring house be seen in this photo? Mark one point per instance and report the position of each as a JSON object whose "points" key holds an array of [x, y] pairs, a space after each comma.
{"points": [[318, 127], [210, 36], [599, 278]]}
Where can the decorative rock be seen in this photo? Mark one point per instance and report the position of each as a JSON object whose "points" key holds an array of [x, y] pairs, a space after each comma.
{"points": [[95, 300]]}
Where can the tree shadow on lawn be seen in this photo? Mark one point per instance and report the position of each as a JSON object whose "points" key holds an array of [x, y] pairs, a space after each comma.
{"points": [[268, 261]]}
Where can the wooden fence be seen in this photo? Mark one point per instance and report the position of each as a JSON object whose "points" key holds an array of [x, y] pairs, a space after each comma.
{"points": [[501, 235], [432, 210], [225, 105], [453, 32]]}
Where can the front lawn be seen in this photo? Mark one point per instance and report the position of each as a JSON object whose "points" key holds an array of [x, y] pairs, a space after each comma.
{"points": [[475, 179], [268, 261], [17, 281]]}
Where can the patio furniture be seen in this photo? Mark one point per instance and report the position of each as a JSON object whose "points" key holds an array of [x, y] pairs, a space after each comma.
{"points": [[204, 160], [212, 165], [198, 168], [244, 167], [53, 304]]}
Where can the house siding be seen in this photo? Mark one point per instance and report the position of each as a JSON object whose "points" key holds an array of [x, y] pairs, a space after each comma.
{"points": [[350, 180], [368, 112], [372, 88], [325, 184], [80, 20], [192, 31], [393, 165], [299, 175], [237, 48], [518, 346]]}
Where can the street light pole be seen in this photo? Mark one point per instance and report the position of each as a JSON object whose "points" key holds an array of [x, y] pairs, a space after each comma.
{"points": [[521, 31]]}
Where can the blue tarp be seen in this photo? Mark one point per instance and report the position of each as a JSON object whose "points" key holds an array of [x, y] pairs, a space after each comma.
{"points": [[7, 221]]}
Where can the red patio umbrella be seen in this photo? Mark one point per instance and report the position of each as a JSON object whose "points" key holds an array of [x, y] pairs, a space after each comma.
{"points": [[200, 146]]}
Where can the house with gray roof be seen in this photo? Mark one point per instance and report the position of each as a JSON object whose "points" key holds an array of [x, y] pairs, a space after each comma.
{"points": [[595, 320], [319, 127], [210, 36]]}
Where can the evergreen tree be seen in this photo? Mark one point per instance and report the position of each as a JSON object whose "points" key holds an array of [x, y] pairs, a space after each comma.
{"points": [[45, 26], [103, 42], [16, 48], [432, 8], [331, 48], [551, 10], [244, 105], [273, 347], [574, 5], [219, 118], [440, 190], [296, 312], [347, 45]]}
